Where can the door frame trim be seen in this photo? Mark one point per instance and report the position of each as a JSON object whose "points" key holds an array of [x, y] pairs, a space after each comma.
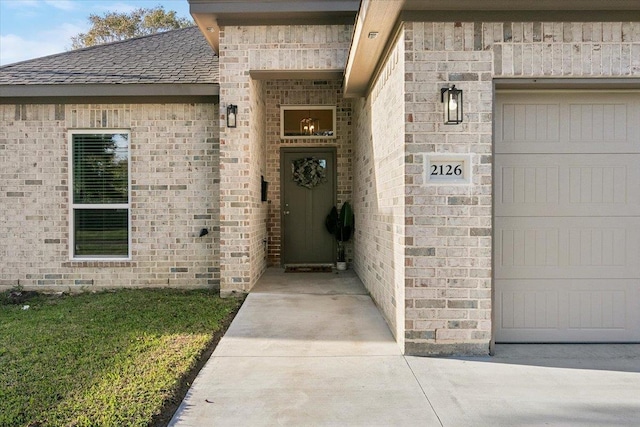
{"points": [[306, 149]]}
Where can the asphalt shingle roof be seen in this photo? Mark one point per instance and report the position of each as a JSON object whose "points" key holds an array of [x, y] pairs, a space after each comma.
{"points": [[178, 56]]}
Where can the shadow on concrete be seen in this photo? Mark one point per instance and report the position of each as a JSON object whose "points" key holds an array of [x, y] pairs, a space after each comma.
{"points": [[604, 357]]}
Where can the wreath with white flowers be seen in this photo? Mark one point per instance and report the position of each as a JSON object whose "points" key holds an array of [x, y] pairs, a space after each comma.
{"points": [[308, 172]]}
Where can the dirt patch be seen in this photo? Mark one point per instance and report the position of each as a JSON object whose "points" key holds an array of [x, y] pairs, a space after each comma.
{"points": [[16, 297]]}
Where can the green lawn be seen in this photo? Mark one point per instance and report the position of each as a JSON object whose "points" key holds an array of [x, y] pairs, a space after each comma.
{"points": [[103, 359]]}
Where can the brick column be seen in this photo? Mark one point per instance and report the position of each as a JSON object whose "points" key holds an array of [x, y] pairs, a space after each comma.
{"points": [[448, 244], [235, 170]]}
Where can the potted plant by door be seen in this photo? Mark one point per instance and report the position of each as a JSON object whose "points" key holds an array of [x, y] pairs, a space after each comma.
{"points": [[340, 225]]}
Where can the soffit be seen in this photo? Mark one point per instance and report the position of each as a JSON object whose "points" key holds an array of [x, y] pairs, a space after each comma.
{"points": [[372, 33], [521, 5], [296, 74], [386, 16]]}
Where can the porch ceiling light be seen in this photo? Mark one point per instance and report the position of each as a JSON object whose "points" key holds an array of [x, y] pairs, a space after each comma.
{"points": [[232, 111], [452, 98]]}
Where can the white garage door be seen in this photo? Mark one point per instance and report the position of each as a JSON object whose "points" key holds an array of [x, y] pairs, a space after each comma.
{"points": [[567, 216]]}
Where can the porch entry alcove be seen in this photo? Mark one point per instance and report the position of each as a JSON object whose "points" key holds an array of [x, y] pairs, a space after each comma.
{"points": [[308, 177]]}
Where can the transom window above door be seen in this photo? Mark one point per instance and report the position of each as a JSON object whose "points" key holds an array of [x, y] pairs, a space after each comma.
{"points": [[307, 121]]}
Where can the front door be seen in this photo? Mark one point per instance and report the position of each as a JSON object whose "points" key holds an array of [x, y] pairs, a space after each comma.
{"points": [[308, 193]]}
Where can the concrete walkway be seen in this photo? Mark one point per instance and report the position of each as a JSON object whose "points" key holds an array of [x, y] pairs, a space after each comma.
{"points": [[311, 349]]}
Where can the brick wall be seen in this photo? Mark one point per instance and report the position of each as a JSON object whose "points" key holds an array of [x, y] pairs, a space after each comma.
{"points": [[174, 193], [448, 305], [379, 192], [259, 159]]}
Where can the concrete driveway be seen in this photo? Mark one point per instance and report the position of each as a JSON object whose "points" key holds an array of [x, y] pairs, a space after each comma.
{"points": [[311, 349]]}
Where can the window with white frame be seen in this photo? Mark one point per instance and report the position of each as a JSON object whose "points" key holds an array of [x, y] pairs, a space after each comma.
{"points": [[100, 197], [307, 122]]}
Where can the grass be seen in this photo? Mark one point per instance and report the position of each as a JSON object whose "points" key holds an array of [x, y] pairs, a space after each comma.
{"points": [[103, 359]]}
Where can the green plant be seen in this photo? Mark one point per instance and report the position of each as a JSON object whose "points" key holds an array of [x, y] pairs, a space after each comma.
{"points": [[341, 224]]}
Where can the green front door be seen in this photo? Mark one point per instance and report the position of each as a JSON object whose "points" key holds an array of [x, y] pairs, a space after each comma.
{"points": [[308, 194]]}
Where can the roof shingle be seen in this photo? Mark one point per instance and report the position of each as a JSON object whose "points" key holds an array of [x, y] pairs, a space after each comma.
{"points": [[179, 56]]}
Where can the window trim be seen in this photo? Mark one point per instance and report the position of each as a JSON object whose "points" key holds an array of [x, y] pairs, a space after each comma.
{"points": [[73, 206]]}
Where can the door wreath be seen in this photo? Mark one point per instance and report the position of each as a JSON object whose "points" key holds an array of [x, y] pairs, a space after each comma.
{"points": [[308, 172]]}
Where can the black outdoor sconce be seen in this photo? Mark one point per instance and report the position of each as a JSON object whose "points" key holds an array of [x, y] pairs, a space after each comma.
{"points": [[232, 111], [452, 98]]}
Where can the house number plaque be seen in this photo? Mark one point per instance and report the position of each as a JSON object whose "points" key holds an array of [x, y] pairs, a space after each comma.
{"points": [[448, 168]]}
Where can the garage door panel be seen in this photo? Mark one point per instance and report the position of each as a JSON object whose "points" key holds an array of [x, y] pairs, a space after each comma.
{"points": [[562, 310], [567, 123], [537, 121], [567, 185], [567, 216], [599, 122], [561, 247], [597, 309]]}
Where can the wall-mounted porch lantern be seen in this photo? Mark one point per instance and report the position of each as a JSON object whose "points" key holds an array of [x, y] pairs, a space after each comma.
{"points": [[232, 111], [452, 99]]}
